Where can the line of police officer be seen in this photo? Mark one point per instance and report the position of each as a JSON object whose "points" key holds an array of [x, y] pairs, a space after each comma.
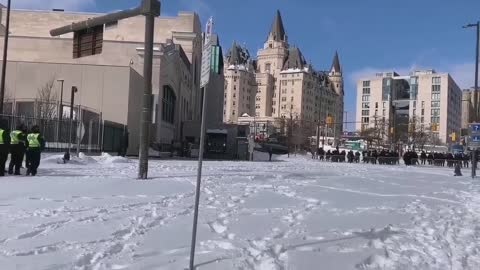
{"points": [[18, 143]]}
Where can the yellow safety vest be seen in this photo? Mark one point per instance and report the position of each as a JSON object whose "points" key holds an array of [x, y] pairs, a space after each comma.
{"points": [[33, 141], [1, 136], [14, 135]]}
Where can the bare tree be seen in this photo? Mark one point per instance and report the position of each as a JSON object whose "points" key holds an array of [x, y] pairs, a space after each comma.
{"points": [[7, 102], [47, 101], [418, 134], [370, 135]]}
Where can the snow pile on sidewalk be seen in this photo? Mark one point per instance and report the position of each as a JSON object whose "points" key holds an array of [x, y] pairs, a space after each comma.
{"points": [[297, 214], [109, 159], [84, 159]]}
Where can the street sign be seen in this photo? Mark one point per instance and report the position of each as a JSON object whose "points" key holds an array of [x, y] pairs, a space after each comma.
{"points": [[88, 42], [206, 64], [475, 128], [475, 139], [207, 54]]}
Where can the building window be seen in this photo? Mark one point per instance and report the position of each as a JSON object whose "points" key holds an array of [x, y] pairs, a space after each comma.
{"points": [[284, 98], [422, 119], [273, 110], [384, 112], [435, 88], [414, 103], [423, 112], [233, 103], [291, 99], [435, 112], [257, 106], [169, 100], [365, 112], [365, 105], [365, 120], [267, 67], [436, 80], [423, 104], [376, 105], [233, 112], [234, 87], [366, 91], [365, 98], [436, 96], [435, 104], [414, 111], [366, 83]]}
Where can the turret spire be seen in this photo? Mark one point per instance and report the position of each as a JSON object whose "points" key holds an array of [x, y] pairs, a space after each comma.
{"points": [[336, 64], [278, 31]]}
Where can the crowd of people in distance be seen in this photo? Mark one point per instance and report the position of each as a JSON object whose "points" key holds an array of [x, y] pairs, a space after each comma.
{"points": [[387, 157]]}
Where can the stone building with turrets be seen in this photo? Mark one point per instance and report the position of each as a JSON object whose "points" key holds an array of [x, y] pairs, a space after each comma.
{"points": [[280, 84]]}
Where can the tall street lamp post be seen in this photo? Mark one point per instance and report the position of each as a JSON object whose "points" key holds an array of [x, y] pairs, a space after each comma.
{"points": [[475, 93], [72, 100], [60, 109]]}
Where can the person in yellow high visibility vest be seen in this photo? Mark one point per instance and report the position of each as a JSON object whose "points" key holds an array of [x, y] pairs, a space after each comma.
{"points": [[4, 146], [36, 144], [18, 145]]}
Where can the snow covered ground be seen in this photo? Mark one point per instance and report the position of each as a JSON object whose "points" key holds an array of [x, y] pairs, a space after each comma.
{"points": [[290, 214]]}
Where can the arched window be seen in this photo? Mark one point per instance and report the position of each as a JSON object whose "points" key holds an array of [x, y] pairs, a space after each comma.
{"points": [[169, 100]]}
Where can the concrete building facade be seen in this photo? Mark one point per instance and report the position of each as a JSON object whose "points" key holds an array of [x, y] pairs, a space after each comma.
{"points": [[110, 84], [283, 85], [467, 107], [428, 99]]}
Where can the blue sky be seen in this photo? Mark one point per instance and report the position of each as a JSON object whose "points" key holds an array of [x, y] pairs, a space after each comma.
{"points": [[370, 35]]}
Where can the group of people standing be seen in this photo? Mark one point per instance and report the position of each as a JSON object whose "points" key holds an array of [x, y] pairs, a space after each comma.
{"points": [[387, 157], [20, 143], [336, 155]]}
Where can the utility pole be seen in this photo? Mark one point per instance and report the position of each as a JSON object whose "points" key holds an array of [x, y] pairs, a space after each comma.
{"points": [[150, 9], [146, 116], [5, 56], [475, 92], [70, 128]]}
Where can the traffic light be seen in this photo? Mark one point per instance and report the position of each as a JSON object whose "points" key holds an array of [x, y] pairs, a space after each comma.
{"points": [[330, 121]]}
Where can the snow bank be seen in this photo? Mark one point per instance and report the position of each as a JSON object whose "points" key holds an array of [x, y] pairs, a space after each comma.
{"points": [[82, 159], [109, 159]]}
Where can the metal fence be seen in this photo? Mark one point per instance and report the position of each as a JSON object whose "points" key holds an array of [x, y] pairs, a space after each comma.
{"points": [[89, 135]]}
